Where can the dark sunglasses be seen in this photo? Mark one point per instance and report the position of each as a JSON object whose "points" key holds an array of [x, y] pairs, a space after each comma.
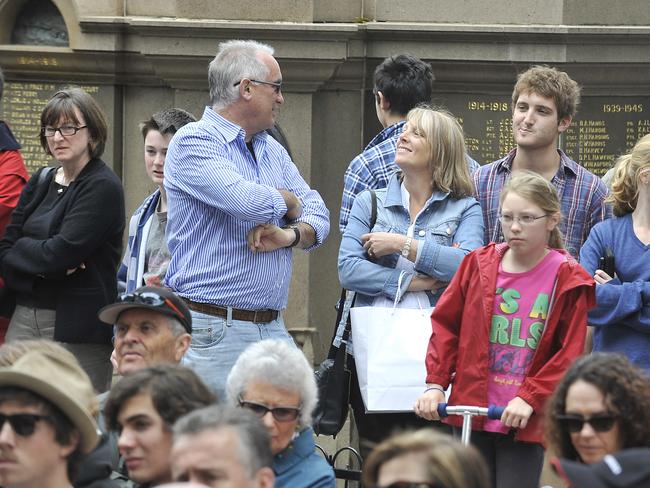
{"points": [[23, 424], [153, 299], [575, 423], [409, 484], [281, 414]]}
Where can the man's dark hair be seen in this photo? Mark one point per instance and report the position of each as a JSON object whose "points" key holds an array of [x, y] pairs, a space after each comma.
{"points": [[175, 390], [167, 121], [405, 81], [64, 429]]}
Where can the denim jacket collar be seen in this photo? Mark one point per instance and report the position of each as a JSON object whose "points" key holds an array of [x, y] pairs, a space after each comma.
{"points": [[394, 193]]}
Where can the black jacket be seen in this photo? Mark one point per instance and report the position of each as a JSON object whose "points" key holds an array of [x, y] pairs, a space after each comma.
{"points": [[86, 228]]}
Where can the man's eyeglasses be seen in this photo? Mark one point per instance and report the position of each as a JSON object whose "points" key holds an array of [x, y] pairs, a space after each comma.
{"points": [[153, 299], [66, 130], [23, 424], [277, 86], [281, 414], [575, 423], [521, 219]]}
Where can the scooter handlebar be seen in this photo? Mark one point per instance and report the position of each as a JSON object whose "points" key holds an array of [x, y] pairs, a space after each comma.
{"points": [[493, 412]]}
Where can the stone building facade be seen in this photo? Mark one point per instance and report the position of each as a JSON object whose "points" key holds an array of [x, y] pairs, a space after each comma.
{"points": [[139, 56]]}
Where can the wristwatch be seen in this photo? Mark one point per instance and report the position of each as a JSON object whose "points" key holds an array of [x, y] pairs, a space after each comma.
{"points": [[407, 247], [295, 228]]}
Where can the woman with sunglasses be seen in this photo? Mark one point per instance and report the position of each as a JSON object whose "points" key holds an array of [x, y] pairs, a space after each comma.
{"points": [[273, 379], [602, 405], [142, 408], [424, 459], [60, 252]]}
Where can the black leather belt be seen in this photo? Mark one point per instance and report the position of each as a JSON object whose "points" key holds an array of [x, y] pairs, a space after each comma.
{"points": [[257, 316]]}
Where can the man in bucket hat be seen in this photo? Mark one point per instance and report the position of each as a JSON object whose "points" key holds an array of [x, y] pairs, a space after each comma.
{"points": [[152, 325], [45, 421]]}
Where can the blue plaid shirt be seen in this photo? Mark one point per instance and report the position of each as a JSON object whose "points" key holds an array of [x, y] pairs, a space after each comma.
{"points": [[370, 169], [582, 199], [373, 168]]}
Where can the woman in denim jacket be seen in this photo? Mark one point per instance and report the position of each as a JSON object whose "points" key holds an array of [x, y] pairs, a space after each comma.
{"points": [[427, 221]]}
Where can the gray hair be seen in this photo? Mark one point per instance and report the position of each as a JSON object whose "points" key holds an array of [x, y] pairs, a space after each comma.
{"points": [[176, 327], [235, 60], [254, 440], [278, 363]]}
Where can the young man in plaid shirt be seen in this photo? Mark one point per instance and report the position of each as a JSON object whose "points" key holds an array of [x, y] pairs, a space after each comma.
{"points": [[544, 101]]}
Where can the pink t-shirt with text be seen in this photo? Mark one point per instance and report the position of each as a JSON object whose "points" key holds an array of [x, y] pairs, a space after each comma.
{"points": [[521, 305]]}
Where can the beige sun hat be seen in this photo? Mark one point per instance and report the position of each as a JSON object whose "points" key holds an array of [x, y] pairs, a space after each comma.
{"points": [[61, 381]]}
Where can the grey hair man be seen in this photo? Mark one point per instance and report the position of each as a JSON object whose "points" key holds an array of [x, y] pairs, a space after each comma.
{"points": [[237, 205], [152, 326], [224, 447]]}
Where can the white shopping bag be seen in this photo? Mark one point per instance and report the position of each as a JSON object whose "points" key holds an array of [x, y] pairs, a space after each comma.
{"points": [[390, 347]]}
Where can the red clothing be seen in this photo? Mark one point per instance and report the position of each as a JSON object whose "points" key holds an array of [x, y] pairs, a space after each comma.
{"points": [[461, 325], [13, 177]]}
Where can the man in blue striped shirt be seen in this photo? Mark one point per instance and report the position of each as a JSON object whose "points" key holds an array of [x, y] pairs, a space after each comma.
{"points": [[236, 206]]}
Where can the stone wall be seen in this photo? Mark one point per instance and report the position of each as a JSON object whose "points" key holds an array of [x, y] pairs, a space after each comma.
{"points": [[154, 54]]}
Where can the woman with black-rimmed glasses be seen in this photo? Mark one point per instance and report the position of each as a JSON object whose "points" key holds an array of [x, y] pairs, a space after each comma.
{"points": [[602, 405], [273, 379], [60, 252]]}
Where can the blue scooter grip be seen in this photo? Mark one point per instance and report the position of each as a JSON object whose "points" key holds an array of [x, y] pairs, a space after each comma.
{"points": [[442, 410], [495, 412]]}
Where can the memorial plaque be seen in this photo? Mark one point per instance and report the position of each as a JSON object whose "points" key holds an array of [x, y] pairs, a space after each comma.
{"points": [[604, 128], [21, 108]]}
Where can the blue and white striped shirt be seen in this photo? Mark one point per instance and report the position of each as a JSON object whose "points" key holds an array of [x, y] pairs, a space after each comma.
{"points": [[216, 193]]}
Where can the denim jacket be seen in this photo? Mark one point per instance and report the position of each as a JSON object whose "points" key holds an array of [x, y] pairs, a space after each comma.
{"points": [[447, 229]]}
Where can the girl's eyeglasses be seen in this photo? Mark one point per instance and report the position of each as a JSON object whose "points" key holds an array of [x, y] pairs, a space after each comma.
{"points": [[521, 219]]}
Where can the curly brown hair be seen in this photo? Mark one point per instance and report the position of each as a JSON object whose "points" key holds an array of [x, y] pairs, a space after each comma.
{"points": [[627, 393], [550, 83]]}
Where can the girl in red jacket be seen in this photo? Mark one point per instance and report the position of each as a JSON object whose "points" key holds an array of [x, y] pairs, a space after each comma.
{"points": [[512, 320]]}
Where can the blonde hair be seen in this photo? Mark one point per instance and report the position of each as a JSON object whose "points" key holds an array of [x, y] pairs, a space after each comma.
{"points": [[446, 461], [447, 153], [625, 184], [539, 191]]}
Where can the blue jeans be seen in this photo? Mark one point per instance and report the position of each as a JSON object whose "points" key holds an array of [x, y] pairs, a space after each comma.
{"points": [[217, 342]]}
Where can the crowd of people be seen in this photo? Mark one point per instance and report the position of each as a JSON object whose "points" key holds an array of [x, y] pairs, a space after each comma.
{"points": [[537, 272]]}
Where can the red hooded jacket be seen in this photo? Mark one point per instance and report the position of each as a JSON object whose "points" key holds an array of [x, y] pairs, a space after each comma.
{"points": [[461, 324]]}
